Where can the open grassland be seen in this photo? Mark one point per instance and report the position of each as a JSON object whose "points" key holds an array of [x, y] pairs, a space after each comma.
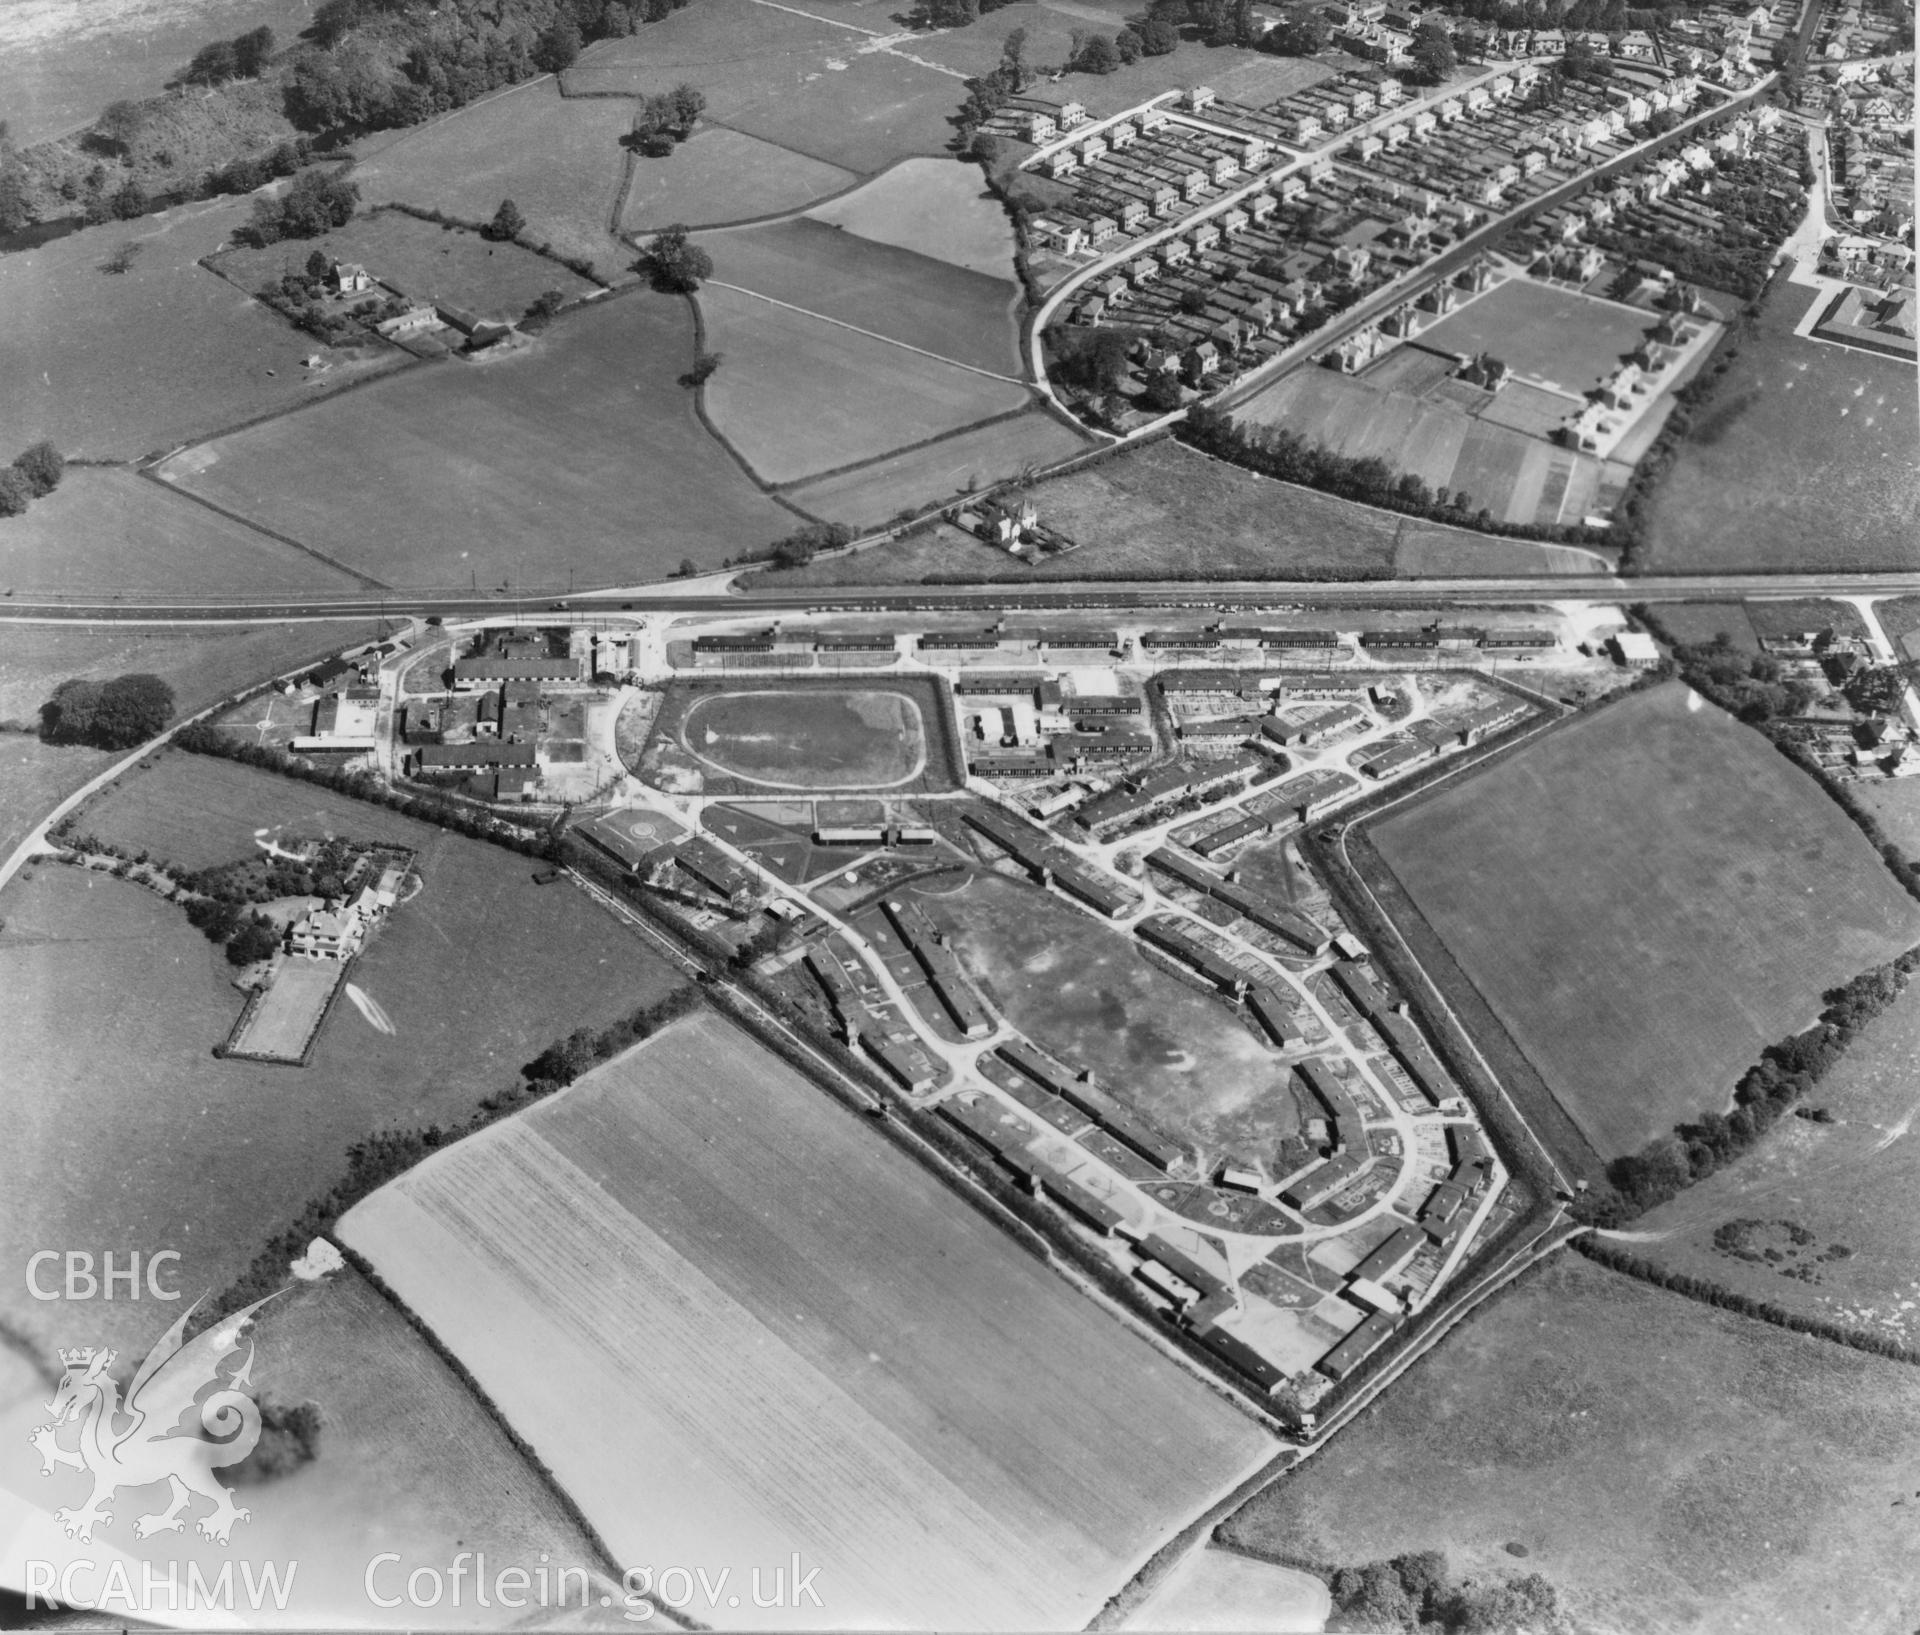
{"points": [[1670, 1468], [195, 812], [932, 305], [1849, 1183], [110, 1004], [1166, 512], [969, 460], [1895, 803], [1216, 1589], [1646, 898], [107, 531], [200, 666], [817, 739], [409, 1462], [1083, 990], [935, 207], [778, 1334], [424, 261], [581, 457], [799, 396], [120, 365], [558, 158], [60, 65], [805, 79], [1899, 617], [1557, 337], [1703, 621], [720, 175], [1807, 456]]}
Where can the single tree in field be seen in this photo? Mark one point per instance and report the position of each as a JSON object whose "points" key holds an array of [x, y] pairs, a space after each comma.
{"points": [[211, 64], [1099, 55], [317, 265], [42, 467], [675, 265], [507, 223], [1158, 36], [1129, 45], [689, 103], [1013, 57], [253, 50]]}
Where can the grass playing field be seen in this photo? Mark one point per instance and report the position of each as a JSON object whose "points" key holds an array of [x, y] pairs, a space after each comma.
{"points": [[110, 1004], [1807, 456], [428, 263], [558, 158], [1667, 1466], [1084, 990], [966, 461], [719, 175], [1558, 337], [938, 307], [1848, 1183], [582, 458], [932, 206], [799, 396], [779, 1335], [818, 739], [120, 365], [1646, 898], [106, 530]]}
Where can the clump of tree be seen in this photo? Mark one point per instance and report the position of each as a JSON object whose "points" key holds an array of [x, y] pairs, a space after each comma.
{"points": [[319, 201], [1303, 34], [1093, 359], [1416, 1593], [1785, 1074], [666, 118], [806, 542], [704, 366], [116, 714], [249, 935], [242, 57], [542, 310], [673, 263], [1432, 52], [507, 224], [35, 472], [289, 1438]]}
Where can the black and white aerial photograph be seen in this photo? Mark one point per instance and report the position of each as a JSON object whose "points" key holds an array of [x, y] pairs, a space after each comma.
{"points": [[959, 816]]}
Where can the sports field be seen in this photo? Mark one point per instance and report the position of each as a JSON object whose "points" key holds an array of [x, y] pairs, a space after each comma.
{"points": [[1557, 337], [426, 262], [1646, 898], [111, 1003], [1807, 456], [290, 1010], [1847, 1186], [817, 739], [583, 457], [933, 305], [558, 158], [935, 207], [777, 1334], [1083, 990], [106, 530], [114, 366], [718, 175], [799, 396], [1668, 1467], [966, 461]]}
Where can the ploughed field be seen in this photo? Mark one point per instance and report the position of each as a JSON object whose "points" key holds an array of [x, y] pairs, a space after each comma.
{"points": [[1646, 898], [736, 1324], [870, 739]]}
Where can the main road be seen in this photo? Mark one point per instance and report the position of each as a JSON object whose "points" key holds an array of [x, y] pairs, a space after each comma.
{"points": [[1262, 593]]}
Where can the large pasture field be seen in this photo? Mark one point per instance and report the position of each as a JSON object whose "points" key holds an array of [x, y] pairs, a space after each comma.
{"points": [[1849, 1183], [1166, 512], [1646, 898], [425, 261], [968, 460], [110, 1004], [938, 307], [935, 207], [719, 175], [1807, 456], [778, 1335], [1084, 990], [582, 457], [559, 158], [107, 531], [1670, 1468], [115, 366], [799, 395]]}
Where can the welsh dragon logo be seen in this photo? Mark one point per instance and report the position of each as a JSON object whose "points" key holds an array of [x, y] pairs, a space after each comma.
{"points": [[141, 1441]]}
